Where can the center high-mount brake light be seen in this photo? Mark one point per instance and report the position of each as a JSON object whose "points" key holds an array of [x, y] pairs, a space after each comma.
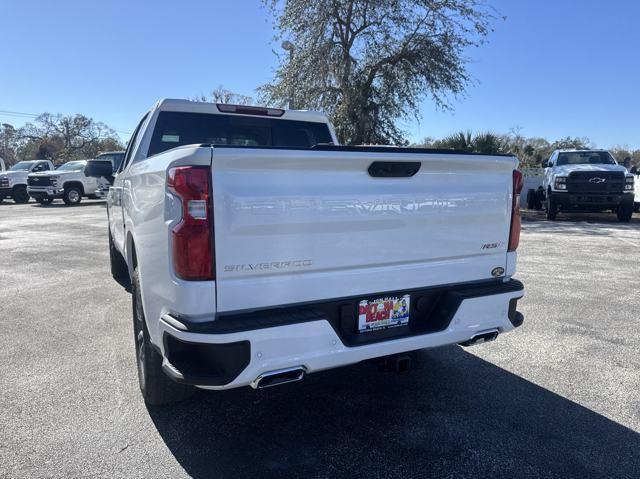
{"points": [[516, 220], [249, 110], [192, 238]]}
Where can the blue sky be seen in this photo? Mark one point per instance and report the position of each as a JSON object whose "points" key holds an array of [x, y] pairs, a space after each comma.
{"points": [[553, 68]]}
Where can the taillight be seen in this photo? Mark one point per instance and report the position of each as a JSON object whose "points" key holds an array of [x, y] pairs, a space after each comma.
{"points": [[192, 238], [516, 222]]}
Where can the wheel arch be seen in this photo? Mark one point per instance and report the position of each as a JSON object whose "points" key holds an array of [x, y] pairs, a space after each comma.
{"points": [[70, 183], [14, 188]]}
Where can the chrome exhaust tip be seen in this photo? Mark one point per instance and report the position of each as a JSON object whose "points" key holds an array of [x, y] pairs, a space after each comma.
{"points": [[278, 377], [483, 337]]}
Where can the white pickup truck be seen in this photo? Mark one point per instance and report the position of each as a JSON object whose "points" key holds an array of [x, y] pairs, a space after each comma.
{"points": [[636, 188], [586, 180], [258, 252], [68, 182], [13, 182]]}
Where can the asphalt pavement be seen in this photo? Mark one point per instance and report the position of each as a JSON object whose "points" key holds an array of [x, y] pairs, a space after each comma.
{"points": [[557, 398]]}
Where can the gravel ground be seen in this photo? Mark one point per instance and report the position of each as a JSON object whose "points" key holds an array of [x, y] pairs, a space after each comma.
{"points": [[559, 397]]}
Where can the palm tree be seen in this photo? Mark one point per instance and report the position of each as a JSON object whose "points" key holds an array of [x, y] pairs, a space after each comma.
{"points": [[461, 141], [486, 142]]}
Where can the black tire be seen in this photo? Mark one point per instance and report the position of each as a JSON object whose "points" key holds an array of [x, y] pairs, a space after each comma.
{"points": [[552, 208], [1, 199], [72, 196], [156, 387], [539, 199], [531, 199], [45, 200], [624, 213], [20, 195], [119, 268]]}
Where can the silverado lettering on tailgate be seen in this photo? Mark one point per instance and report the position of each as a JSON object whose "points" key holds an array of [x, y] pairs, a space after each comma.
{"points": [[273, 265]]}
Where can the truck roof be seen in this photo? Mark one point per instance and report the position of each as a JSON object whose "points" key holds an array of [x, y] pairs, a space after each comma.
{"points": [[571, 150], [189, 106]]}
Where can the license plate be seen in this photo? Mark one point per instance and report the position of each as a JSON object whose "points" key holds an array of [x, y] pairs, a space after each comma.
{"points": [[383, 313]]}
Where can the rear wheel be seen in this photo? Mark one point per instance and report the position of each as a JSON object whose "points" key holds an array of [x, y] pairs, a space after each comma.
{"points": [[531, 199], [552, 208], [156, 387], [72, 195], [539, 198], [20, 194], [625, 212]]}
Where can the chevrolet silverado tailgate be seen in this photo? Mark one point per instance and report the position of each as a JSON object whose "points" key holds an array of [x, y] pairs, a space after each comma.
{"points": [[294, 226]]}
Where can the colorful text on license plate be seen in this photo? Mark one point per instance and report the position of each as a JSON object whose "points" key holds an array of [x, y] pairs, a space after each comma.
{"points": [[383, 313]]}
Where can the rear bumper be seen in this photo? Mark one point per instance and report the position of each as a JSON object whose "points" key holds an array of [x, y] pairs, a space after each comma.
{"points": [[591, 200], [232, 352], [100, 193]]}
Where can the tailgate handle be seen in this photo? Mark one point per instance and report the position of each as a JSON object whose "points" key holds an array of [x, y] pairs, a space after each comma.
{"points": [[394, 169]]}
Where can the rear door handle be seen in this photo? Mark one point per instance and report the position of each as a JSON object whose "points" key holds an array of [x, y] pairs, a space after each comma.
{"points": [[394, 169]]}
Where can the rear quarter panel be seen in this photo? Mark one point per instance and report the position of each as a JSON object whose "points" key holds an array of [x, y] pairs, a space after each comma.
{"points": [[149, 214]]}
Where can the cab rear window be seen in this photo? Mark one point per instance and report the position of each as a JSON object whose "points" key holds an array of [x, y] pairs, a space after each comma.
{"points": [[179, 128]]}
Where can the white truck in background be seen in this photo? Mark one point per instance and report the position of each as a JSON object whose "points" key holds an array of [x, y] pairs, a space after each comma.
{"points": [[67, 182], [584, 181], [13, 182], [636, 189], [112, 161], [258, 252]]}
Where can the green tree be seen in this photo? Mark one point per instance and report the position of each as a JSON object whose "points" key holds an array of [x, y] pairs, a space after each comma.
{"points": [[530, 151], [369, 63], [622, 152], [578, 143], [461, 141], [63, 138], [8, 143], [486, 142], [222, 95]]}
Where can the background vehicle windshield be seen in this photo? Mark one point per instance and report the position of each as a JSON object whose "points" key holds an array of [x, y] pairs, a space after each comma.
{"points": [[585, 157], [175, 129], [72, 166], [22, 166]]}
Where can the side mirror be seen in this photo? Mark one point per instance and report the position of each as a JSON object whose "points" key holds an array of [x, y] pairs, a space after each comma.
{"points": [[545, 164], [99, 169]]}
